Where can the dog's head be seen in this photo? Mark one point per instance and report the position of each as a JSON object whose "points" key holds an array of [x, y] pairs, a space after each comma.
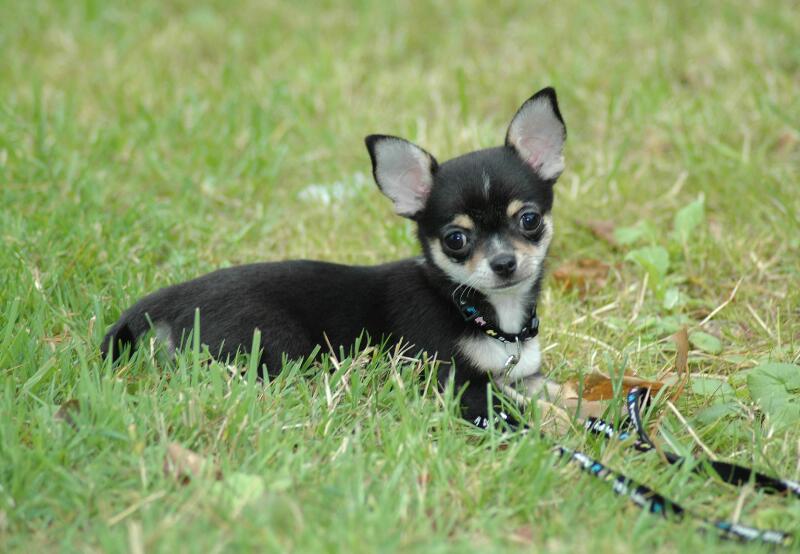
{"points": [[484, 217]]}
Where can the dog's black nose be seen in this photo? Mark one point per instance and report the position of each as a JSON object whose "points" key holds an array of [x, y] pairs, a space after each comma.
{"points": [[504, 264]]}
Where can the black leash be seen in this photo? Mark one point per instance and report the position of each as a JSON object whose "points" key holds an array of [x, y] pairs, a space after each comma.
{"points": [[640, 494], [655, 503], [733, 474], [647, 498]]}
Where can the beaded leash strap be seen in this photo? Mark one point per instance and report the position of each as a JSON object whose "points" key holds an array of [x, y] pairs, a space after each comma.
{"points": [[646, 498]]}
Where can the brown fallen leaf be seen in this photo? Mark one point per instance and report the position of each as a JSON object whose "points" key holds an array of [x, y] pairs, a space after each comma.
{"points": [[66, 411], [604, 230], [523, 534], [582, 275], [564, 405], [599, 386], [182, 464], [785, 142], [596, 388]]}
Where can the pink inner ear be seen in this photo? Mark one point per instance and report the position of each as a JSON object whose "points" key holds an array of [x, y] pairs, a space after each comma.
{"points": [[414, 180], [403, 172], [418, 184], [533, 150], [413, 190]]}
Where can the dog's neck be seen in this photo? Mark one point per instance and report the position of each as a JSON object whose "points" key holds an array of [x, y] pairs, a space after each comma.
{"points": [[509, 309], [512, 309]]}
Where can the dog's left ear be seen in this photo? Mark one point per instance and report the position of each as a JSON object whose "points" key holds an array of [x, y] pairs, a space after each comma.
{"points": [[537, 133], [403, 171]]}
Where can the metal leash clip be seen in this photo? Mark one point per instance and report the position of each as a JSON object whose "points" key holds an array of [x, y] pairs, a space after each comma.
{"points": [[513, 359]]}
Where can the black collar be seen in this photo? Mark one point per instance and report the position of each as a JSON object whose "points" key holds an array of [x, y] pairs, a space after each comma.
{"points": [[471, 313]]}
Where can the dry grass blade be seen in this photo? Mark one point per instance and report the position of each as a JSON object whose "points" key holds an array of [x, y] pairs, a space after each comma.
{"points": [[721, 307], [681, 339], [691, 431], [333, 359]]}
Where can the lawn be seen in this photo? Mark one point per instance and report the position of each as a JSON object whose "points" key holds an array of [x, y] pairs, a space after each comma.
{"points": [[146, 143]]}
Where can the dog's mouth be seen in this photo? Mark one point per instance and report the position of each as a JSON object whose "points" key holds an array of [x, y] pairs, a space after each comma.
{"points": [[510, 284]]}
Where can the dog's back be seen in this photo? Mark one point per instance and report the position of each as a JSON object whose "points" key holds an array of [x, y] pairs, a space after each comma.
{"points": [[294, 304]]}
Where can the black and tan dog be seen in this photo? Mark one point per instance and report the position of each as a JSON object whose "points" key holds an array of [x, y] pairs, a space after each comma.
{"points": [[484, 223]]}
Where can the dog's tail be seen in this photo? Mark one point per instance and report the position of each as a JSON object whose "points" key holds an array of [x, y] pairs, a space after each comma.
{"points": [[123, 335]]}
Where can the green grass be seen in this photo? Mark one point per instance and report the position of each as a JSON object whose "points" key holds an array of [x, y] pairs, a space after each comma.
{"points": [[144, 145]]}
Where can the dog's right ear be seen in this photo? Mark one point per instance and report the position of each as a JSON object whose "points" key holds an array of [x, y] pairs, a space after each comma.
{"points": [[403, 172]]}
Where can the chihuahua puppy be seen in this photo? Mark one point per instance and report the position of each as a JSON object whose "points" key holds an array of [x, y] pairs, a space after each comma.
{"points": [[484, 223]]}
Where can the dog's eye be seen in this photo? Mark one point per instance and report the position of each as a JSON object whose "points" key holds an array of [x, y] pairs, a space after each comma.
{"points": [[455, 241], [530, 221]]}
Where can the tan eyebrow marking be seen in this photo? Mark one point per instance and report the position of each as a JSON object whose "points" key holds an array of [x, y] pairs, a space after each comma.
{"points": [[513, 207], [464, 221]]}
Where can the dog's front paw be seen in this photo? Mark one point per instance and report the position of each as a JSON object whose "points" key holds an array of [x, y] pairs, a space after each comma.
{"points": [[501, 420]]}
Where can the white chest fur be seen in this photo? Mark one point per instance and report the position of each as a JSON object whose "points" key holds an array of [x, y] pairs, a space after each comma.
{"points": [[490, 355], [512, 311]]}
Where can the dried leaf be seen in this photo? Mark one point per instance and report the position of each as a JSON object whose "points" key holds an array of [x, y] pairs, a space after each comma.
{"points": [[599, 386], [786, 142], [66, 411], [554, 417], [183, 464], [582, 274], [572, 402], [523, 534], [604, 230]]}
